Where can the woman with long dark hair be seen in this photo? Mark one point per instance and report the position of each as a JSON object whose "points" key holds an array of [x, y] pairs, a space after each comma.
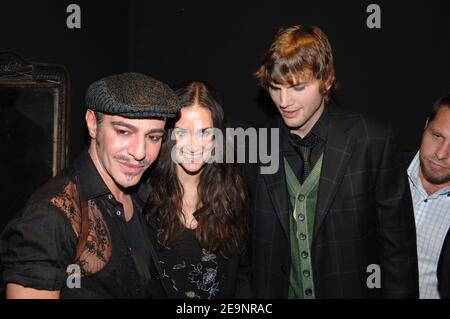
{"points": [[196, 205]]}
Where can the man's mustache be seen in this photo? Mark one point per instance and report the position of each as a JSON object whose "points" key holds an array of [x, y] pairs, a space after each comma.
{"points": [[123, 158]]}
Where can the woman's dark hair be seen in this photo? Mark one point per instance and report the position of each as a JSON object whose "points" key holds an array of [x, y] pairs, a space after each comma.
{"points": [[221, 224]]}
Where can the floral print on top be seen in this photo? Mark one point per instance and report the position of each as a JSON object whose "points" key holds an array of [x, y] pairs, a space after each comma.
{"points": [[189, 270]]}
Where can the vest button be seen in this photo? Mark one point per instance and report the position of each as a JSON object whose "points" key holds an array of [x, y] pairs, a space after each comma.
{"points": [[304, 254], [301, 197], [308, 292], [302, 236], [301, 217], [306, 273]]}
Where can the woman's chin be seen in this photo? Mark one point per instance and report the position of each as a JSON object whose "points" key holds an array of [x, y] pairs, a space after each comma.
{"points": [[192, 168]]}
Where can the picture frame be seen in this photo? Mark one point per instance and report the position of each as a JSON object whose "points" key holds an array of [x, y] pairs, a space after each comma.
{"points": [[34, 118]]}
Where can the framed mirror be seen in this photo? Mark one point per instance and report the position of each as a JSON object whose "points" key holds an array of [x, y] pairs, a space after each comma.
{"points": [[34, 112]]}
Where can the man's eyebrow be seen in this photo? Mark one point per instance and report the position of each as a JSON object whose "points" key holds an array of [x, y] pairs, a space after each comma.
{"points": [[298, 84], [135, 129], [278, 85], [120, 123], [157, 130], [434, 130]]}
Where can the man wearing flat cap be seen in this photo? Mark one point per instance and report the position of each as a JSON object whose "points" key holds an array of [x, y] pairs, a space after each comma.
{"points": [[82, 234]]}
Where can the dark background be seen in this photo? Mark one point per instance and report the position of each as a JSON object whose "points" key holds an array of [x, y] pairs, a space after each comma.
{"points": [[394, 73]]}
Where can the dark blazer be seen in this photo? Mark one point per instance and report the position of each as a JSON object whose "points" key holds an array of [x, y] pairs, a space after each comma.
{"points": [[235, 279], [443, 270], [364, 216]]}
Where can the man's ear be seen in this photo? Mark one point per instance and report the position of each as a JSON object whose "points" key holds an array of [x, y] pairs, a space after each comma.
{"points": [[326, 85], [329, 83], [91, 122]]}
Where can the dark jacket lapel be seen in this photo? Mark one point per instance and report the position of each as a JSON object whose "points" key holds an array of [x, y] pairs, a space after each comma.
{"points": [[278, 193], [337, 153], [277, 188]]}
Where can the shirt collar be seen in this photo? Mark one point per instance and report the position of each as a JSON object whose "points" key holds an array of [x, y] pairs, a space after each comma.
{"points": [[320, 129], [92, 184], [413, 171], [89, 179]]}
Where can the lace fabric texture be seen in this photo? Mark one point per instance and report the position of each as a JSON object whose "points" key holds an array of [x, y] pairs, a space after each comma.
{"points": [[97, 251]]}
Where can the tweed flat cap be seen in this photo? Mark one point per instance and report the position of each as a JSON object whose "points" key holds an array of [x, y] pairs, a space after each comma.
{"points": [[132, 95]]}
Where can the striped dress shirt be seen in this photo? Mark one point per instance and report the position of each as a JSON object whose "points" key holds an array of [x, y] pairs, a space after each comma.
{"points": [[432, 216]]}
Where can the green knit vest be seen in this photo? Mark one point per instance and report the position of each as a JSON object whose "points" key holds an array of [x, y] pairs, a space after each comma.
{"points": [[303, 198]]}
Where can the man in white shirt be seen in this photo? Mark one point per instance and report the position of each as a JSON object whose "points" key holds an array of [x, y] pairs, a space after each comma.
{"points": [[429, 180]]}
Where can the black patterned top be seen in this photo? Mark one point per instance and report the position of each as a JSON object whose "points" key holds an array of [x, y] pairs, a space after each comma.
{"points": [[189, 270]]}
